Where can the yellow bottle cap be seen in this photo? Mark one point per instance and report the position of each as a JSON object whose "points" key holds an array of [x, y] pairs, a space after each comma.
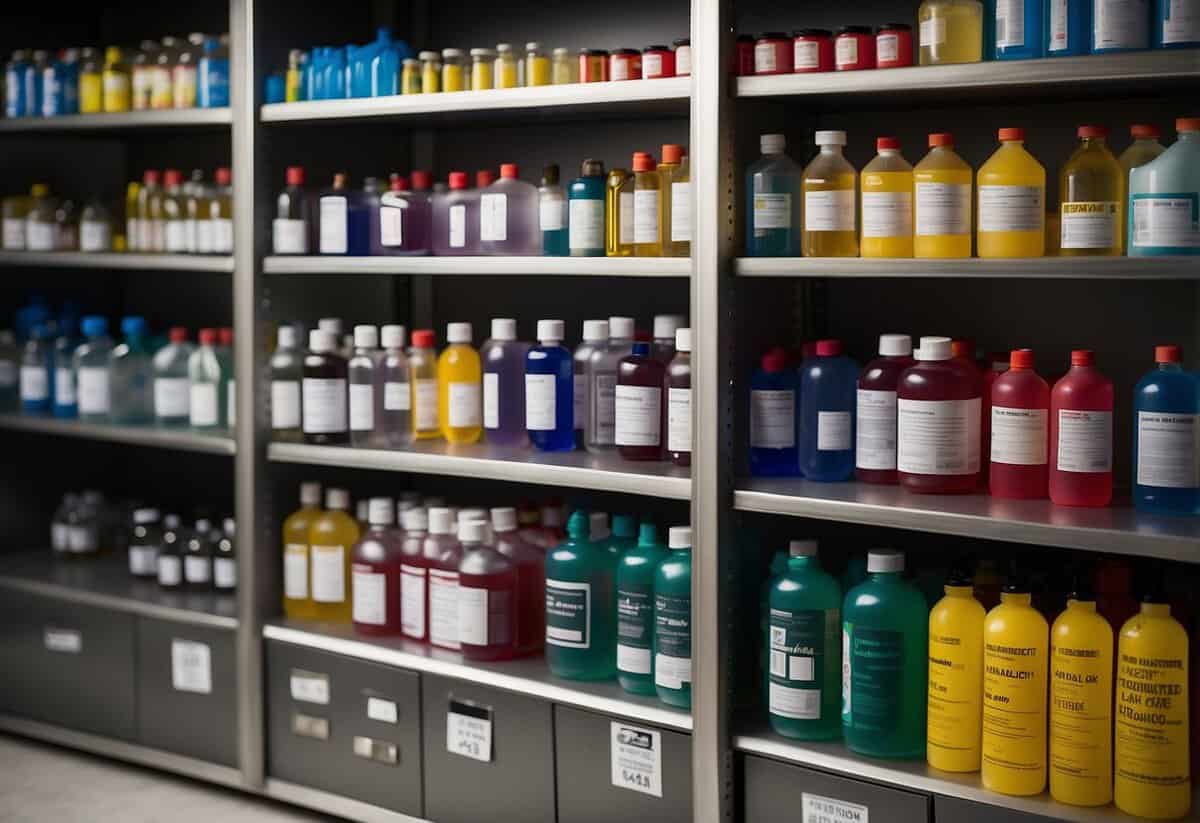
{"points": [[39, 190]]}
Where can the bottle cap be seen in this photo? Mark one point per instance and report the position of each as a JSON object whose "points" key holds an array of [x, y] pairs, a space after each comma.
{"points": [[775, 360], [829, 348], [1021, 359], [223, 176], [683, 340], [888, 143], [895, 345], [295, 175], [337, 500], [458, 333], [1144, 131], [550, 331], [533, 45], [415, 519], [150, 177], [380, 511], [666, 324], [624, 526], [641, 348], [1092, 131], [595, 331], [458, 180], [441, 521], [509, 171], [934, 348], [202, 525], [621, 328], [484, 178], [941, 139], [207, 337], [452, 54], [592, 168], [133, 325], [483, 53], [598, 526], [504, 519], [310, 494], [392, 336], [321, 342], [366, 337], [578, 525], [225, 336], [143, 516], [772, 143], [333, 325], [830, 138], [1083, 357], [421, 180], [172, 177], [885, 560], [550, 175], [643, 161], [423, 338], [647, 534], [397, 182], [471, 513], [671, 152], [802, 548], [1187, 124], [94, 325], [504, 328], [964, 348], [1007, 135], [177, 334], [472, 531], [679, 537], [1168, 354]]}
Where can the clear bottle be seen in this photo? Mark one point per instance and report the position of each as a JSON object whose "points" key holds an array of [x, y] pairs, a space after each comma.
{"points": [[362, 374], [774, 397], [204, 376], [414, 575], [131, 376], [1159, 193], [117, 81], [1166, 409], [195, 202], [460, 374], [16, 209], [488, 606], [37, 372], [290, 228], [674, 202], [581, 606], [376, 572], [66, 400], [297, 599], [942, 201], [1091, 191], [1012, 200], [829, 183], [287, 372], [679, 400], [217, 216], [442, 553], [646, 217], [618, 214], [147, 238], [40, 221], [508, 216], [456, 218], [600, 432], [170, 558], [482, 64], [595, 336], [172, 390], [673, 621], [586, 205], [95, 228], [162, 93], [90, 363], [1081, 410], [537, 65], [828, 386], [562, 67], [422, 366], [887, 202], [635, 612], [324, 403], [640, 413], [503, 363], [875, 411], [66, 226], [331, 536], [951, 31], [1144, 148], [549, 390], [392, 386], [507, 73], [955, 704]]}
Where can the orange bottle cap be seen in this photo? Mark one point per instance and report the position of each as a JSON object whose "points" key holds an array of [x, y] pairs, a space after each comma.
{"points": [[1008, 135], [1083, 357], [941, 139], [882, 143], [1021, 359], [672, 153], [1092, 131], [1187, 124], [643, 161], [1168, 354], [1143, 131]]}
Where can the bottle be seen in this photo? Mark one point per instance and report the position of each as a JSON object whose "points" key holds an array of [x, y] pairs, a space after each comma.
{"points": [[635, 574], [1020, 407], [323, 403], [10, 360], [1165, 460], [161, 70], [414, 575], [618, 214], [1163, 190], [663, 343], [37, 372], [1018, 30], [456, 218], [442, 557], [549, 390], [1144, 148], [673, 621], [508, 216], [942, 205], [1092, 190], [487, 596], [459, 375], [376, 572], [503, 359], [586, 203], [392, 220], [646, 219], [885, 632], [774, 391], [172, 389], [142, 234], [827, 403], [1081, 410], [131, 376], [362, 375], [343, 220], [213, 72], [552, 213], [675, 202], [422, 368], [951, 31], [537, 65], [595, 336], [773, 212], [95, 229], [600, 425], [938, 410], [198, 558], [393, 390], [90, 363], [581, 606], [116, 81], [331, 536], [887, 202], [506, 68], [204, 381], [482, 69], [955, 703], [216, 216], [170, 558], [34, 89], [1120, 25], [829, 183], [1012, 198], [145, 542], [290, 228], [875, 410], [287, 373], [640, 411], [16, 209], [530, 565], [1014, 694], [40, 221], [679, 400], [184, 73], [225, 557]]}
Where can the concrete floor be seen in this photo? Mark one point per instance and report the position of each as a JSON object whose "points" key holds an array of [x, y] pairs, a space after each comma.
{"points": [[41, 782]]}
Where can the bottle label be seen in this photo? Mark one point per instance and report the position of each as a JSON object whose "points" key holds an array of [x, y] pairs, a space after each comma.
{"points": [[1090, 225], [954, 699], [1010, 23], [798, 645], [391, 226], [940, 437], [1014, 706], [541, 402], [772, 419], [550, 214], [493, 218], [231, 403], [64, 387], [872, 678], [473, 616], [225, 573], [679, 420], [412, 601], [887, 48], [83, 540], [176, 237], [1011, 208], [93, 390], [943, 208], [672, 640], [1152, 721], [324, 405], [1181, 23], [1059, 39], [834, 431], [170, 570], [295, 571], [625, 233], [14, 234], [463, 403], [887, 214], [94, 236], [143, 560], [203, 404], [333, 225], [491, 400], [35, 383], [604, 409], [1084, 441], [285, 404], [197, 569], [586, 226], [568, 614], [1166, 220], [806, 55], [161, 96], [443, 608], [362, 407], [397, 397], [933, 32], [1168, 450], [772, 210], [764, 58], [289, 236], [172, 396], [635, 624], [458, 227], [639, 415], [829, 210], [651, 66], [580, 400], [645, 216], [39, 236], [1121, 24], [425, 404], [1081, 701], [221, 229], [845, 50], [681, 212], [875, 430], [1019, 436], [328, 574], [369, 591]]}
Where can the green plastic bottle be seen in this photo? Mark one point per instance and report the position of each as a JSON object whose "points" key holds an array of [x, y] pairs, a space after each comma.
{"points": [[804, 617], [635, 612], [581, 621], [624, 534], [673, 621], [885, 642]]}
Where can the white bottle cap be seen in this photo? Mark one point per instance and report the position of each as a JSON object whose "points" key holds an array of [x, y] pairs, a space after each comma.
{"points": [[366, 337], [621, 327], [933, 348], [772, 143], [595, 331], [337, 499], [472, 514], [802, 548], [504, 519], [458, 332], [830, 138], [202, 525], [895, 345], [333, 325], [552, 517], [441, 521], [285, 338], [310, 494], [143, 516], [550, 331], [666, 324], [229, 525], [598, 526], [392, 336], [472, 531], [504, 328], [683, 340], [321, 341], [884, 560], [379, 511], [362, 511], [679, 537], [415, 519]]}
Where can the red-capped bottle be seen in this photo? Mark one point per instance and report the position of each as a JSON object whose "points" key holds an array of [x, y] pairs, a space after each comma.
{"points": [[875, 432], [1081, 410], [1020, 416]]}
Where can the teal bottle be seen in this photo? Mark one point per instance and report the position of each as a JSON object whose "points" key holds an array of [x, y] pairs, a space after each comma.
{"points": [[581, 623], [624, 534], [673, 621], [885, 646], [803, 648], [635, 611]]}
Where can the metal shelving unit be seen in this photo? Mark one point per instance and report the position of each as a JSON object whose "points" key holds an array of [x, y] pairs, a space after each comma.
{"points": [[160, 119], [178, 439], [550, 266], [114, 260], [1031, 268]]}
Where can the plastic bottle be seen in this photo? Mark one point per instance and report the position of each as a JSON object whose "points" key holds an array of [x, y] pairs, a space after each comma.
{"points": [[170, 557], [184, 74], [663, 342], [679, 400], [1081, 413], [116, 81], [403, 220], [414, 575], [1020, 407], [537, 65], [640, 411], [290, 228], [1068, 27], [287, 372], [595, 336], [1120, 25], [827, 405], [581, 600], [618, 214], [362, 376], [297, 598], [213, 89], [552, 211], [549, 390], [774, 391], [1012, 199], [1019, 30], [442, 553], [34, 90], [422, 367], [394, 393], [955, 703], [1166, 466], [829, 183], [887, 202], [459, 388], [1144, 148], [161, 72], [66, 401], [456, 218], [875, 410], [885, 632], [91, 81], [343, 220], [131, 376], [586, 203], [674, 203], [1162, 195], [508, 216], [37, 372], [204, 382], [503, 359], [324, 406], [376, 573], [487, 597], [172, 393], [635, 612], [646, 217], [90, 363], [15, 104], [673, 621], [600, 425], [1092, 193], [331, 536], [198, 557], [1175, 25], [530, 563]]}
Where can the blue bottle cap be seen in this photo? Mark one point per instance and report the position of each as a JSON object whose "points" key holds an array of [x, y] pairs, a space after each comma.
{"points": [[94, 325], [133, 325], [642, 349], [623, 525]]}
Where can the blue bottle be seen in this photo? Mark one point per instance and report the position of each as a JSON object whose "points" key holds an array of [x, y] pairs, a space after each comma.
{"points": [[774, 395], [60, 85], [828, 397], [37, 372], [14, 85], [212, 90], [1178, 31], [1166, 463], [1163, 194], [550, 390], [1120, 25], [34, 83], [586, 206], [1019, 30], [773, 202], [358, 70], [65, 400], [385, 71], [1068, 27]]}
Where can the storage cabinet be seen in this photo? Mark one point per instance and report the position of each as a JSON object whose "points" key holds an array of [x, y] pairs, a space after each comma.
{"points": [[774, 792]]}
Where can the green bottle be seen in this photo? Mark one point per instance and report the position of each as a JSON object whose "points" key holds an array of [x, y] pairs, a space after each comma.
{"points": [[803, 648], [673, 621], [635, 612], [885, 647], [624, 533], [581, 623]]}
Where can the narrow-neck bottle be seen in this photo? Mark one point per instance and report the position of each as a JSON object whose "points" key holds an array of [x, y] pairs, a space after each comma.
{"points": [[673, 621], [887, 202], [324, 406], [362, 376], [172, 387], [1012, 200], [460, 391], [443, 553], [581, 606], [131, 376], [331, 538], [414, 576], [1081, 412], [1091, 190], [550, 390], [456, 218], [830, 217], [530, 564], [198, 557], [422, 367], [595, 335], [173, 213], [503, 358], [170, 559], [393, 389], [146, 238], [942, 196], [488, 599], [1020, 406], [955, 703], [287, 372], [640, 411], [646, 217], [1166, 412], [774, 396], [828, 386], [376, 572], [875, 410], [586, 211], [290, 229], [618, 214], [90, 363], [205, 412], [679, 400], [600, 430], [552, 213], [674, 202], [508, 216], [37, 372], [773, 212]]}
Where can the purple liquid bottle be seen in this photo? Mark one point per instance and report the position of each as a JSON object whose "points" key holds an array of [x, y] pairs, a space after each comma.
{"points": [[456, 218], [399, 220], [503, 359], [508, 216]]}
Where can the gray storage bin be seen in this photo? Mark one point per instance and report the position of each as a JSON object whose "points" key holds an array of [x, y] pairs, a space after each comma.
{"points": [[773, 792]]}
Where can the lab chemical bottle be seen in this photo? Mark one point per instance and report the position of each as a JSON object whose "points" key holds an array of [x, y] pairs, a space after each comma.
{"points": [[131, 376], [618, 214], [875, 410], [460, 389], [663, 342], [205, 412], [37, 372], [773, 212], [170, 558], [174, 213], [172, 393], [803, 681], [1012, 198], [673, 621], [342, 220], [487, 597], [508, 216], [674, 202], [1166, 462], [297, 597], [774, 395], [394, 391], [414, 575], [550, 390], [646, 217], [225, 557], [955, 706], [581, 606], [1019, 29], [40, 221], [595, 335], [66, 401], [942, 203], [1015, 670], [679, 400], [829, 183], [90, 364], [422, 369], [1081, 430], [1144, 148], [1164, 197], [1020, 408], [1176, 25], [530, 564], [640, 411], [323, 404], [1068, 27], [290, 227], [456, 218], [1120, 25], [10, 358], [331, 537], [586, 211], [827, 405], [887, 202], [1151, 735], [442, 553], [503, 359], [362, 376], [938, 407], [600, 426], [635, 612], [1091, 189], [375, 570], [885, 634], [145, 237], [145, 542], [287, 373], [198, 557], [400, 225], [552, 213]]}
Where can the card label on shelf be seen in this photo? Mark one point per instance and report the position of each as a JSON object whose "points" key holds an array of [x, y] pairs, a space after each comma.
{"points": [[1167, 449], [469, 730], [309, 687], [191, 666], [568, 614], [818, 809], [66, 641], [636, 756], [304, 725], [1084, 440], [385, 711]]}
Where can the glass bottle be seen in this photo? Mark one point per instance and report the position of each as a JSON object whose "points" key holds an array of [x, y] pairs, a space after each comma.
{"points": [[674, 203], [673, 621], [482, 63], [773, 211], [829, 183], [875, 412], [147, 237], [376, 572], [562, 67], [951, 31], [116, 81], [618, 214], [459, 373], [679, 400], [635, 612], [170, 558], [508, 216], [422, 366], [143, 74], [507, 73], [552, 213], [331, 536], [828, 386], [1012, 200], [185, 74], [131, 376], [218, 212], [587, 223], [537, 65], [37, 370], [16, 209], [581, 606], [1091, 191], [198, 557], [456, 218], [145, 542], [600, 433], [503, 359], [414, 573], [204, 376], [161, 74], [640, 411], [454, 70], [90, 363], [549, 390], [942, 201], [287, 372], [530, 564], [323, 404], [431, 72], [443, 554], [225, 557], [363, 376], [393, 389], [646, 219], [487, 596], [95, 228], [172, 393], [66, 401], [887, 207], [290, 228], [297, 600], [40, 221], [595, 336], [662, 346]]}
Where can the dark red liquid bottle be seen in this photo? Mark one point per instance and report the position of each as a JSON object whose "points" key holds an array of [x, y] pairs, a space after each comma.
{"points": [[1081, 409], [875, 449], [1020, 412], [487, 597], [376, 573], [679, 400], [531, 581], [641, 415]]}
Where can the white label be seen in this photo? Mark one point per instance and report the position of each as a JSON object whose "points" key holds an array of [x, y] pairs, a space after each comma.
{"points": [[172, 396], [540, 402], [887, 48], [328, 574], [651, 66], [887, 214], [307, 687], [1167, 450], [391, 226], [1058, 40], [369, 593], [672, 672], [587, 225], [324, 405], [491, 400], [764, 58], [412, 600], [443, 608], [938, 436], [362, 407], [425, 400], [35, 383], [493, 218], [550, 214], [875, 432], [469, 736], [39, 236], [222, 235], [619, 69], [170, 570], [829, 210], [143, 560], [639, 416], [289, 236], [645, 216], [845, 51], [1084, 441], [197, 569], [285, 404], [1019, 436], [67, 641], [1010, 23], [1011, 208], [199, 236], [93, 390], [94, 236], [191, 666], [933, 32], [385, 711], [158, 234], [1181, 23], [176, 236], [64, 386], [772, 211], [1121, 24], [1165, 221], [626, 215], [295, 571], [633, 660], [683, 61], [458, 227], [333, 225], [818, 809], [1090, 225], [14, 234], [806, 55], [834, 431], [636, 759], [679, 420], [397, 396], [203, 409], [463, 405], [604, 405], [943, 208], [772, 419], [681, 212], [579, 399], [472, 616], [798, 704], [224, 573]]}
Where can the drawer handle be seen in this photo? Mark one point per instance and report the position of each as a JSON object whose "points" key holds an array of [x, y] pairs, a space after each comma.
{"points": [[66, 641], [378, 750], [305, 725]]}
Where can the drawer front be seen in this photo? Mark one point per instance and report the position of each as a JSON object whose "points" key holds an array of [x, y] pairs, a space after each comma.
{"points": [[954, 810], [775, 792]]}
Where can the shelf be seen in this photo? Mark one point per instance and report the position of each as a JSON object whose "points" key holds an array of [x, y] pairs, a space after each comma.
{"points": [[1114, 529], [585, 266], [528, 676], [577, 469], [668, 97], [115, 260], [1051, 78], [180, 439], [162, 119], [104, 581], [1038, 268]]}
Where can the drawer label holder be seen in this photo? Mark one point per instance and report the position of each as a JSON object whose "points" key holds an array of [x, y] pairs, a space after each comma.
{"points": [[818, 809], [637, 759], [469, 730]]}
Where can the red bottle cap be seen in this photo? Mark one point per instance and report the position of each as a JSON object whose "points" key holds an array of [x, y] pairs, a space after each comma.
{"points": [[458, 180], [963, 347], [423, 338], [1083, 357], [776, 360], [397, 183], [1187, 124], [1012, 135], [225, 335], [829, 348], [1144, 131], [1092, 131], [208, 337], [1021, 359], [295, 175], [672, 153], [172, 177], [941, 138], [484, 178], [509, 171], [177, 334], [882, 143], [1168, 354], [224, 176], [643, 161], [422, 181], [150, 177]]}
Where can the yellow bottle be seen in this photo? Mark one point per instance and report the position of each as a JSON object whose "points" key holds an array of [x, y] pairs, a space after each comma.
{"points": [[1014, 695], [1144, 148], [133, 191], [422, 368], [460, 391], [410, 76], [955, 678], [674, 203], [454, 70], [618, 214], [1081, 699], [116, 81], [537, 65], [951, 31], [1152, 775], [829, 184], [331, 538], [1012, 201], [645, 206], [91, 82], [431, 72], [297, 599], [482, 61], [887, 202], [942, 201], [506, 73], [562, 67], [293, 80], [1091, 188]]}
